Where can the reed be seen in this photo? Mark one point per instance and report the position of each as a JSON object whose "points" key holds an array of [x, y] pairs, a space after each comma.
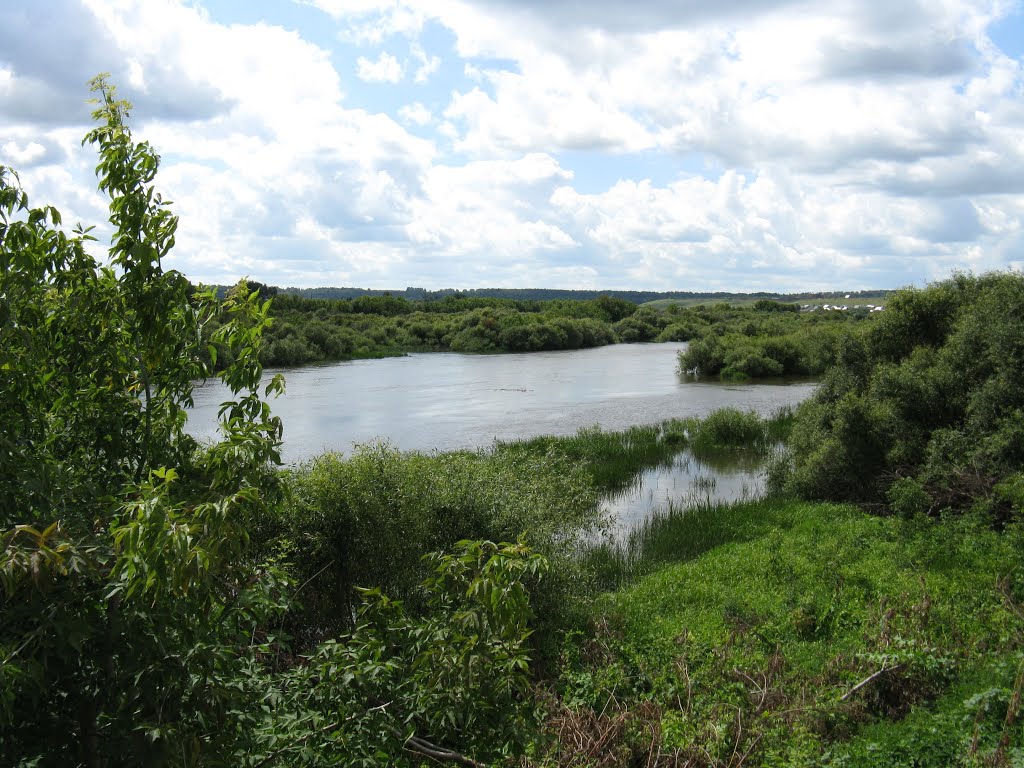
{"points": [[678, 532], [612, 459]]}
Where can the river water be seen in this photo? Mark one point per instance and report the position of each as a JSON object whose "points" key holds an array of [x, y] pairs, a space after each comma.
{"points": [[448, 401]]}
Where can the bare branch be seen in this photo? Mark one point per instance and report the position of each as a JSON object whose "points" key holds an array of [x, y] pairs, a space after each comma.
{"points": [[868, 680], [433, 751]]}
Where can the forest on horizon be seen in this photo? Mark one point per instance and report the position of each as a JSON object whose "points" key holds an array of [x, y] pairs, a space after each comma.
{"points": [[547, 294]]}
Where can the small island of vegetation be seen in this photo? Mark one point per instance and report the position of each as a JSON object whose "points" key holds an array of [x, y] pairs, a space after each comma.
{"points": [[165, 602]]}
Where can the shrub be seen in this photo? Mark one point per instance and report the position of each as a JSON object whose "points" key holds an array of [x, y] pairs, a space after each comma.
{"points": [[933, 391], [127, 609], [728, 428], [365, 521]]}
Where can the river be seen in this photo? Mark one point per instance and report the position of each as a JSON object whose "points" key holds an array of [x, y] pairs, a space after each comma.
{"points": [[448, 401]]}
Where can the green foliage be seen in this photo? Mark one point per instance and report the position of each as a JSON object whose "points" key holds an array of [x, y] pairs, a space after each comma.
{"points": [[123, 605], [314, 330], [907, 498], [611, 459], [729, 428], [972, 725], [777, 630], [767, 339], [139, 625], [367, 520], [449, 684], [931, 392], [767, 305]]}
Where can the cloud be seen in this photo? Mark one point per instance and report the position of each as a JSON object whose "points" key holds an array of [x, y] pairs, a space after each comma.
{"points": [[640, 15], [428, 64], [384, 69], [29, 152], [742, 145], [47, 73], [911, 59], [415, 113]]}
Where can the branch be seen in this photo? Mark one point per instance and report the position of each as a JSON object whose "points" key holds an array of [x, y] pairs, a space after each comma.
{"points": [[307, 581], [867, 680], [433, 751], [290, 745]]}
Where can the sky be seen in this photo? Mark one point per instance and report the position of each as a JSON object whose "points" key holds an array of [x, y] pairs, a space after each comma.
{"points": [[736, 145]]}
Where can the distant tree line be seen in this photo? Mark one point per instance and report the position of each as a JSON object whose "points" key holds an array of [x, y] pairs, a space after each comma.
{"points": [[766, 338], [314, 330], [549, 294]]}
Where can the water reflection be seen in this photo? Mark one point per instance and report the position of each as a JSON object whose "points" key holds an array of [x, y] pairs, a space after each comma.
{"points": [[448, 401], [687, 480]]}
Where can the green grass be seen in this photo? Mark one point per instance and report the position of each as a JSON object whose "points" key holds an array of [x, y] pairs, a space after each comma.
{"points": [[745, 630], [729, 428], [965, 726], [612, 459]]}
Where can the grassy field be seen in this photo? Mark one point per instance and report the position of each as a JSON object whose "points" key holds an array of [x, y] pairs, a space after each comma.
{"points": [[792, 634]]}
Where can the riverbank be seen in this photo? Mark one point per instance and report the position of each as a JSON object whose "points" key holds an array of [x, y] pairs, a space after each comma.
{"points": [[765, 338], [776, 631], [789, 633]]}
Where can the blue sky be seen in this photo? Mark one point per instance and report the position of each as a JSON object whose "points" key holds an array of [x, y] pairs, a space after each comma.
{"points": [[776, 145]]}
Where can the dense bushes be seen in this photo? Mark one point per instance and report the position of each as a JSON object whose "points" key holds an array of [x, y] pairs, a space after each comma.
{"points": [[138, 623], [127, 611], [932, 391], [316, 330], [367, 520], [768, 339], [732, 342]]}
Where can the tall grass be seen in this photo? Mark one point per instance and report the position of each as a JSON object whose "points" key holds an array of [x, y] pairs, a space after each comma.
{"points": [[729, 428], [691, 525], [773, 631], [612, 459], [677, 532], [367, 520]]}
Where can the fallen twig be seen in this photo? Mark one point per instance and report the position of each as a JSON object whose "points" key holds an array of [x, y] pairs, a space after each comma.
{"points": [[868, 680]]}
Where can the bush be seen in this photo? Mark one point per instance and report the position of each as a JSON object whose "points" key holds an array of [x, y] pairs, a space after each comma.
{"points": [[365, 521], [933, 392], [128, 609], [729, 428], [907, 498]]}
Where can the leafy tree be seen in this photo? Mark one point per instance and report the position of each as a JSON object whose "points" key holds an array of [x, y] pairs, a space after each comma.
{"points": [[136, 626], [926, 409], [401, 686], [121, 600]]}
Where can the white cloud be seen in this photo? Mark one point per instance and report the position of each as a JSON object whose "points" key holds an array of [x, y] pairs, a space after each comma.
{"points": [[415, 113], [428, 64], [384, 69], [22, 155], [740, 146]]}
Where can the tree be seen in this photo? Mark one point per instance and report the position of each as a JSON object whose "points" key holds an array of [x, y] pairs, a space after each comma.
{"points": [[121, 599], [925, 410], [135, 626]]}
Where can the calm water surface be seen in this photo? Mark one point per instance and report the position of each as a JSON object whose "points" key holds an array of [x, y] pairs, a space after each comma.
{"points": [[687, 479], [448, 401]]}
